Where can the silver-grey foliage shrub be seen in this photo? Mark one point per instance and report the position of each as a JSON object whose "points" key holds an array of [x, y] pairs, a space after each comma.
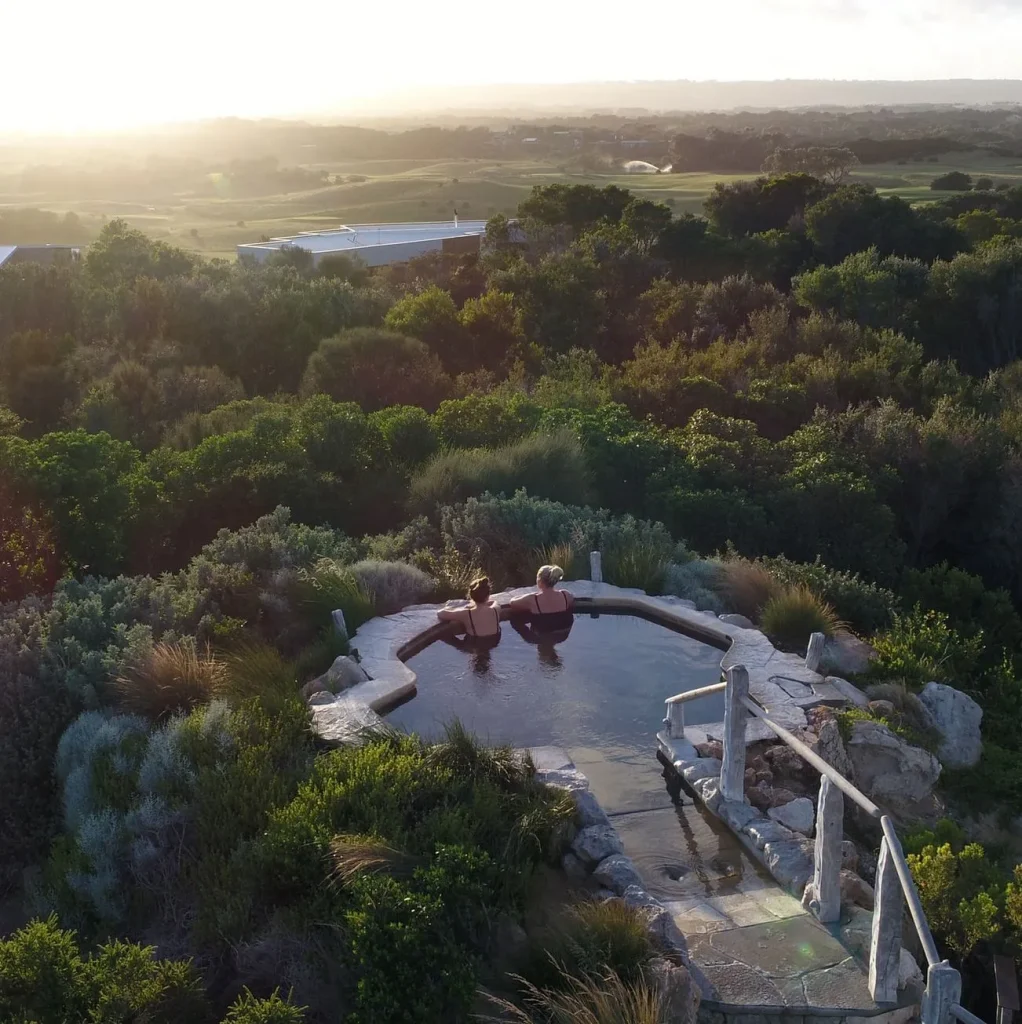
{"points": [[394, 585], [694, 581]]}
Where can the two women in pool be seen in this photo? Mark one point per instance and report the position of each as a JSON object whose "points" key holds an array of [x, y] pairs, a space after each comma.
{"points": [[547, 610]]}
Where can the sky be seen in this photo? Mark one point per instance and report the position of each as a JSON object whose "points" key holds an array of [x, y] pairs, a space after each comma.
{"points": [[112, 64]]}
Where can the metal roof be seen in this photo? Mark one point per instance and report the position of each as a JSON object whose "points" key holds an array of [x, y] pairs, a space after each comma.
{"points": [[5, 252], [359, 236]]}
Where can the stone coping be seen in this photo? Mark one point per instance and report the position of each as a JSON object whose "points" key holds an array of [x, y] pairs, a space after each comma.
{"points": [[779, 681]]}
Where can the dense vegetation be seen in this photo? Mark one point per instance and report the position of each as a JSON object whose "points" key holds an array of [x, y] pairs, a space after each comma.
{"points": [[817, 385]]}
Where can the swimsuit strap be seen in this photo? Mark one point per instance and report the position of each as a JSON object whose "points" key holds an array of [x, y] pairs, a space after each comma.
{"points": [[565, 593], [471, 621], [535, 598]]}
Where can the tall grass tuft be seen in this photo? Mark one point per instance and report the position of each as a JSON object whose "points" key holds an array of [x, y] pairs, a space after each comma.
{"points": [[547, 465], [469, 758], [795, 613], [746, 587], [355, 855], [589, 1000], [259, 671], [167, 679], [452, 571], [640, 564], [589, 939], [564, 555], [328, 586]]}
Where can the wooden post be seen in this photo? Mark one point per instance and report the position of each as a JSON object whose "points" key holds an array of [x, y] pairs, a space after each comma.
{"points": [[885, 948], [943, 990], [595, 567], [814, 653], [830, 813], [674, 723], [732, 772]]}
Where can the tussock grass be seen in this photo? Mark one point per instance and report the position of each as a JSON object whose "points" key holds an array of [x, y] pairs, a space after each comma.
{"points": [[795, 613], [641, 564], [589, 1000], [328, 586], [746, 587], [567, 556], [354, 855], [169, 678], [588, 940], [259, 671]]}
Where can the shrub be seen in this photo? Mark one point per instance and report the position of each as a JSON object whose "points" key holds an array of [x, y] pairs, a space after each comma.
{"points": [[45, 979], [168, 679], [695, 581], [795, 613], [376, 368], [920, 646], [587, 940], [485, 421], [588, 1000], [33, 714], [393, 585], [247, 1009], [864, 606], [549, 466], [328, 587], [746, 587], [409, 432]]}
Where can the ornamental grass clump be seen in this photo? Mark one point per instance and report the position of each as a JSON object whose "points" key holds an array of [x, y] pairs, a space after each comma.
{"points": [[746, 587], [168, 679], [794, 614]]}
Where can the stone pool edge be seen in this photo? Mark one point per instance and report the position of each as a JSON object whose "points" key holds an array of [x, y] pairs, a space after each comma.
{"points": [[383, 643]]}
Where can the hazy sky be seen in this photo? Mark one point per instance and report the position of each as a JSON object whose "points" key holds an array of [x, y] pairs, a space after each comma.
{"points": [[84, 64]]}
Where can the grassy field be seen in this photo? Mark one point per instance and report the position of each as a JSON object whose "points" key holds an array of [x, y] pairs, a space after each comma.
{"points": [[398, 190]]}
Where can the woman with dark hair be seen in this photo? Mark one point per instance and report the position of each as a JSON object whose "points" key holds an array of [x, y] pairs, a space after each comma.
{"points": [[480, 618]]}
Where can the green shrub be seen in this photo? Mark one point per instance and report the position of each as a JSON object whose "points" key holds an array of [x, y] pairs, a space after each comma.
{"points": [[921, 646], [485, 421], [169, 679], [795, 613], [995, 784], [547, 465], [33, 714], [587, 940], [865, 606], [44, 979], [410, 433], [247, 1009]]}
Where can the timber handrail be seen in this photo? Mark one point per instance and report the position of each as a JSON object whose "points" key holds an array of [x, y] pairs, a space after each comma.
{"points": [[894, 884]]}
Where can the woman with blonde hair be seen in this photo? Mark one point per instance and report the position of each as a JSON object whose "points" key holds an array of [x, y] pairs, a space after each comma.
{"points": [[549, 610]]}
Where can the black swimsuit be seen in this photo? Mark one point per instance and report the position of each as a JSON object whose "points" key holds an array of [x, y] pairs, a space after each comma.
{"points": [[552, 622], [481, 642]]}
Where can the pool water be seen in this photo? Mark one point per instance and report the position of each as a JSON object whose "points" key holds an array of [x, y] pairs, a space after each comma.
{"points": [[599, 695]]}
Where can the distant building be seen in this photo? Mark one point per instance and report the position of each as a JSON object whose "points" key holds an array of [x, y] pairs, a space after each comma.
{"points": [[45, 254], [377, 244]]}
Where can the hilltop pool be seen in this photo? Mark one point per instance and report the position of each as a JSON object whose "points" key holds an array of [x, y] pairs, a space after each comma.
{"points": [[599, 695]]}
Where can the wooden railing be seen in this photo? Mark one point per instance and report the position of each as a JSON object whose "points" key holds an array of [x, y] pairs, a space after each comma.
{"points": [[894, 885]]}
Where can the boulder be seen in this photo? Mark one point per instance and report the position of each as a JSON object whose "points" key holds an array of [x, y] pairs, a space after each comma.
{"points": [[846, 655], [680, 997], [827, 743], [849, 855], [595, 843], [790, 862], [659, 923], [888, 769], [701, 768], [883, 708], [343, 674], [709, 792], [741, 621], [589, 810], [764, 830], [797, 815], [855, 891], [737, 813], [849, 691], [617, 873], [957, 718], [909, 972]]}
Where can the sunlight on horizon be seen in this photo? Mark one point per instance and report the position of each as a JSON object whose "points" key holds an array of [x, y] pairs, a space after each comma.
{"points": [[115, 64]]}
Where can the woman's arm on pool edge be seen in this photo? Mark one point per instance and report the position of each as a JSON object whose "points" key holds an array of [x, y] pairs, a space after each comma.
{"points": [[450, 615]]}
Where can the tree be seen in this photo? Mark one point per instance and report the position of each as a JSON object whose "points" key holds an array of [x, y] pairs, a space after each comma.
{"points": [[376, 368], [953, 181], [121, 255], [432, 317], [984, 184], [577, 206], [29, 559], [750, 207], [34, 377], [829, 163]]}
